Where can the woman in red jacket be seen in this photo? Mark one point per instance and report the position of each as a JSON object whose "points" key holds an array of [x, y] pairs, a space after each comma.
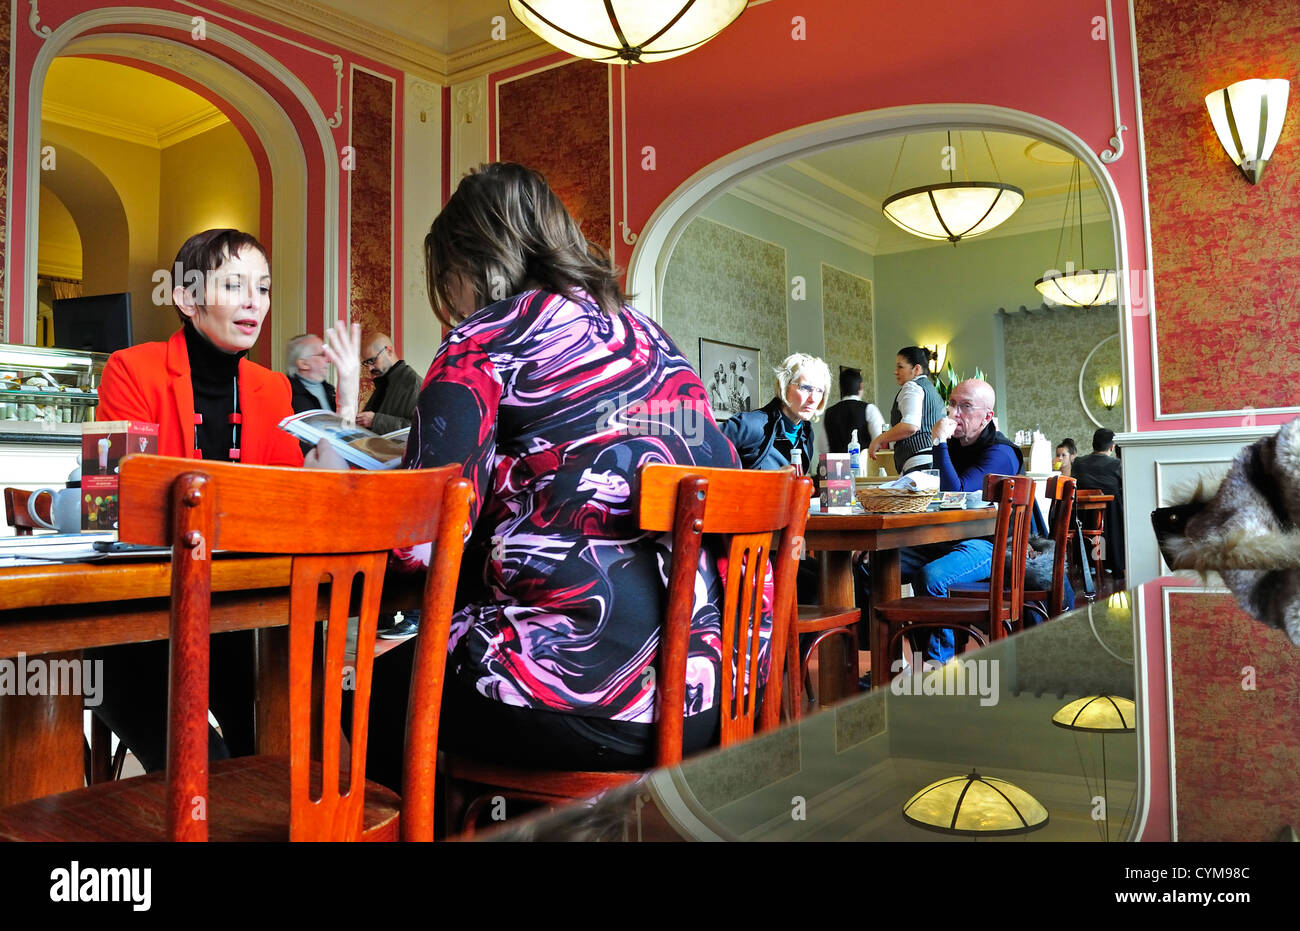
{"points": [[210, 402]]}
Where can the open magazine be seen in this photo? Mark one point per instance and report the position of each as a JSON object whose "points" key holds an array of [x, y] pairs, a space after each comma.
{"points": [[355, 444]]}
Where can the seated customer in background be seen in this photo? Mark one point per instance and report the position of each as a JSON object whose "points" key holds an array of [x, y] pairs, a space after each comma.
{"points": [[397, 387], [967, 447], [307, 366], [852, 413], [1066, 452], [543, 399], [1102, 471], [767, 437], [210, 402]]}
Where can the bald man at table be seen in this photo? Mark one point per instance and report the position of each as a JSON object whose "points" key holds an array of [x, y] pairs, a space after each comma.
{"points": [[967, 447]]}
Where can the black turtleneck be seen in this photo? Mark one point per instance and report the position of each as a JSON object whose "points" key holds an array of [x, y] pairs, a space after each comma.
{"points": [[214, 376]]}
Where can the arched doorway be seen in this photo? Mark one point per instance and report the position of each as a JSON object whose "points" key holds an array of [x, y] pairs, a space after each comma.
{"points": [[287, 125]]}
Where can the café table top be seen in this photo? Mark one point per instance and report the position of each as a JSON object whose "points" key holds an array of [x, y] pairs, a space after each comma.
{"points": [[1175, 645]]}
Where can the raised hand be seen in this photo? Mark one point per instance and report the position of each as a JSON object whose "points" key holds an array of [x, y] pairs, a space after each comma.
{"points": [[343, 349]]}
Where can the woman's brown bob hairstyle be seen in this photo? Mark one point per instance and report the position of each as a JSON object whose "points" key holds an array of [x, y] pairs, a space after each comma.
{"points": [[504, 231]]}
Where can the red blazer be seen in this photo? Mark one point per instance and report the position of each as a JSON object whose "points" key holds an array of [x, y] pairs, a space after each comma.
{"points": [[151, 383]]}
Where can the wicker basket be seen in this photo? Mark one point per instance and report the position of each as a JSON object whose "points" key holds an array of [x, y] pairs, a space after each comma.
{"points": [[894, 500]]}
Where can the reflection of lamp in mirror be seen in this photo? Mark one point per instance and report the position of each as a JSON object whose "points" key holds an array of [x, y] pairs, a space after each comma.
{"points": [[1098, 714], [1073, 287], [952, 210], [975, 805], [1248, 117], [626, 32], [1109, 396]]}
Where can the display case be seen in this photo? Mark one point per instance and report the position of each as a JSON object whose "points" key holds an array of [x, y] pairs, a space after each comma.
{"points": [[47, 387]]}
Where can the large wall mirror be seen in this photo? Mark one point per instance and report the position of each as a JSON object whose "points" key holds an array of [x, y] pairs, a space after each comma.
{"points": [[800, 257]]}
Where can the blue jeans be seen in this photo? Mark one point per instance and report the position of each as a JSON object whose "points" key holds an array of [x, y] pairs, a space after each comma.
{"points": [[932, 568]]}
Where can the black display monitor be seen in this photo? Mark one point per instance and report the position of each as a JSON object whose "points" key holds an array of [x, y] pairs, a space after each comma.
{"points": [[97, 323]]}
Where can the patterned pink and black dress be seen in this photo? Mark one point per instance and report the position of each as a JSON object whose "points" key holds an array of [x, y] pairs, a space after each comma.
{"points": [[553, 406]]}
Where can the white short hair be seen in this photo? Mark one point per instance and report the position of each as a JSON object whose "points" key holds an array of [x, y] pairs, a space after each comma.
{"points": [[800, 365]]}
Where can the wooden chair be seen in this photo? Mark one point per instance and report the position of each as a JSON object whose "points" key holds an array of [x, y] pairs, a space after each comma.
{"points": [[101, 764], [764, 514], [338, 526], [1092, 517], [984, 620], [825, 621], [17, 515], [1049, 602]]}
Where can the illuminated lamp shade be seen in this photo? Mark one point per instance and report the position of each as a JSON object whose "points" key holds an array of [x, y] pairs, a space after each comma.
{"points": [[975, 805], [953, 210], [1109, 396], [1078, 288], [1248, 117], [1098, 714], [624, 32]]}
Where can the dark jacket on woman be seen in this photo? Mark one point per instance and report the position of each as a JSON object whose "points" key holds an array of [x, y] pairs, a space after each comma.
{"points": [[754, 435]]}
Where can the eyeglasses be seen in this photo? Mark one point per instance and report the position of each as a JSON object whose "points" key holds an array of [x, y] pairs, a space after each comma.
{"points": [[369, 363], [966, 407], [811, 390]]}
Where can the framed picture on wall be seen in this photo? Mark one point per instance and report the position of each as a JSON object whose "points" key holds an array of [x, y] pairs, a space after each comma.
{"points": [[732, 377]]}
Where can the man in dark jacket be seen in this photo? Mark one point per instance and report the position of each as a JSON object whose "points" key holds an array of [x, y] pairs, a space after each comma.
{"points": [[306, 366], [1103, 472], [397, 387]]}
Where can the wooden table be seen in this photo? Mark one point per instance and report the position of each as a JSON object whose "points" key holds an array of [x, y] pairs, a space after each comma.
{"points": [[834, 536], [59, 609]]}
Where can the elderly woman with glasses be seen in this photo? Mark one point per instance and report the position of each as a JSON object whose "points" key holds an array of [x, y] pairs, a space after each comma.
{"points": [[767, 438]]}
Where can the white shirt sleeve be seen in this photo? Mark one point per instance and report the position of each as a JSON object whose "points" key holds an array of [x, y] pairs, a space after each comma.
{"points": [[911, 402], [875, 422]]}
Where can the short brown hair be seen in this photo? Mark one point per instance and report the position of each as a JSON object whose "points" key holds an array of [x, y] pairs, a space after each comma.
{"points": [[503, 231], [206, 252]]}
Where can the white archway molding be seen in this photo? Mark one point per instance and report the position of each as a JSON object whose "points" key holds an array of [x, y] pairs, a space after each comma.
{"points": [[280, 139], [657, 240]]}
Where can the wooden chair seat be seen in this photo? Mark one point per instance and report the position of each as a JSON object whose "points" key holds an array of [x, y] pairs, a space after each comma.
{"points": [[248, 800], [761, 513], [825, 621], [946, 612]]}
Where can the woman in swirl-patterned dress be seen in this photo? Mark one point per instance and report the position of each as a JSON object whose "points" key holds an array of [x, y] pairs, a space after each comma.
{"points": [[553, 399]]}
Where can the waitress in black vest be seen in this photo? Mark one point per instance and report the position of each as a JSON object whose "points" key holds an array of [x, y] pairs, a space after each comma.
{"points": [[917, 408]]}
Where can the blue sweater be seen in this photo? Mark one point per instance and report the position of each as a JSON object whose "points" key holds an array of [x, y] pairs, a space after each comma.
{"points": [[962, 468]]}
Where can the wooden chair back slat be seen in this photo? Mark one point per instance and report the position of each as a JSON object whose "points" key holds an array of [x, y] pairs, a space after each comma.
{"points": [[17, 514], [1061, 489], [764, 514], [1014, 496], [211, 506]]}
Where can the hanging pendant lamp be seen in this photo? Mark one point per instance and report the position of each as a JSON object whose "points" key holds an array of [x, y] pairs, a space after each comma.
{"points": [[1084, 287], [953, 210], [975, 805], [626, 32]]}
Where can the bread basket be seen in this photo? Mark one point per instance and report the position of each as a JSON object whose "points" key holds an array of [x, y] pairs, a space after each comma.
{"points": [[894, 500]]}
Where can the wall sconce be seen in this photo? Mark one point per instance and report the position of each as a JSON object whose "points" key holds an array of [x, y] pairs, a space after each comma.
{"points": [[938, 356], [1109, 396], [1248, 117]]}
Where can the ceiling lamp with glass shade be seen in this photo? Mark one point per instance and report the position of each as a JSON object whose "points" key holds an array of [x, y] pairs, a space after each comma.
{"points": [[952, 210], [1077, 286], [627, 32], [975, 805], [1248, 117]]}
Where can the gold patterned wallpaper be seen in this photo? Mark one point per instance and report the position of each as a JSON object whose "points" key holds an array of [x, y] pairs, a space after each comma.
{"points": [[724, 285], [847, 309]]}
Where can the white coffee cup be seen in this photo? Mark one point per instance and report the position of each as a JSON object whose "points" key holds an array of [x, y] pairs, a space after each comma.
{"points": [[65, 509]]}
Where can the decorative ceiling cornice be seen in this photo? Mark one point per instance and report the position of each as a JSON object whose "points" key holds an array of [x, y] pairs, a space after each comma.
{"points": [[396, 50], [129, 131]]}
